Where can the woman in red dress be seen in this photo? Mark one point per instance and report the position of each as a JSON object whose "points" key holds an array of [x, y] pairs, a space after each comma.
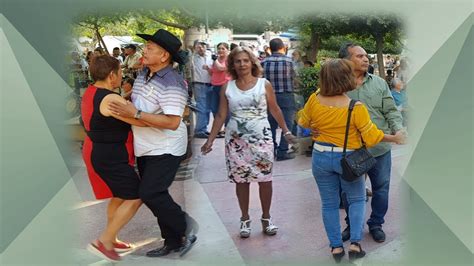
{"points": [[108, 155]]}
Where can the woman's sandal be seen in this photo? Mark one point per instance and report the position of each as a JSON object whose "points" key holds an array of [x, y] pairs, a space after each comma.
{"points": [[353, 254], [268, 227], [245, 228], [338, 256]]}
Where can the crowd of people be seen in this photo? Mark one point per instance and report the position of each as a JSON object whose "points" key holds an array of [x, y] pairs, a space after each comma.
{"points": [[250, 96]]}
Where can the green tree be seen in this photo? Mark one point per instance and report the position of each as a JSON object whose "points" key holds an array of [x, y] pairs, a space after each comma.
{"points": [[384, 28], [377, 33], [95, 26], [316, 28]]}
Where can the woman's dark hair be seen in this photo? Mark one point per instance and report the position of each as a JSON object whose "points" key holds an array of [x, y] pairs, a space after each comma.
{"points": [[226, 45], [257, 69], [233, 45], [129, 81], [336, 77], [101, 66]]}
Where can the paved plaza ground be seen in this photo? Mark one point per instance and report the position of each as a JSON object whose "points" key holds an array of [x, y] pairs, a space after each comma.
{"points": [[203, 191]]}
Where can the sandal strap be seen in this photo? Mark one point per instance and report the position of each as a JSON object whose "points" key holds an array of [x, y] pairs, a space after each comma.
{"points": [[270, 227], [244, 226]]}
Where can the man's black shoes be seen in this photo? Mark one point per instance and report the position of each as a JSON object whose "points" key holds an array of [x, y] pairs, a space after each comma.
{"points": [[377, 234], [188, 243], [346, 234]]}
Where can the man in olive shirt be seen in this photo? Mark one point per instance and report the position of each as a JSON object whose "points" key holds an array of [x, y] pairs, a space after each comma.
{"points": [[374, 92]]}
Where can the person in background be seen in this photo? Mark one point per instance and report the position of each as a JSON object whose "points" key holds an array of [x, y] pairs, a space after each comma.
{"points": [[116, 54], [232, 46], [99, 51], [297, 60], [400, 97], [127, 86], [219, 77], [201, 64], [132, 63], [279, 70]]}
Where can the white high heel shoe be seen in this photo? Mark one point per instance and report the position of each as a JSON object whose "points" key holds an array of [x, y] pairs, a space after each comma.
{"points": [[268, 227], [245, 228]]}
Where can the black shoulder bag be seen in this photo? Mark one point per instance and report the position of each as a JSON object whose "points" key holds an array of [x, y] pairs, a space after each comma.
{"points": [[358, 162]]}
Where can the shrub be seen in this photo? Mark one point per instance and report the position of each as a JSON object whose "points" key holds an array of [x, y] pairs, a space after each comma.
{"points": [[308, 78]]}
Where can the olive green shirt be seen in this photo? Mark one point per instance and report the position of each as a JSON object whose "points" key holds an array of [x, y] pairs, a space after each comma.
{"points": [[376, 96]]}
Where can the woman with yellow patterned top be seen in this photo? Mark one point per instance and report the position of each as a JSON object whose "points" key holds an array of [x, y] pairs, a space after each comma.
{"points": [[327, 112]]}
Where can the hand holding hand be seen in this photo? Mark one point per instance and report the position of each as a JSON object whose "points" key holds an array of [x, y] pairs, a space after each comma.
{"points": [[290, 138], [400, 137], [315, 132]]}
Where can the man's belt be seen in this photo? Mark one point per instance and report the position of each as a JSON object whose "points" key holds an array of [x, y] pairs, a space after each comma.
{"points": [[207, 84]]}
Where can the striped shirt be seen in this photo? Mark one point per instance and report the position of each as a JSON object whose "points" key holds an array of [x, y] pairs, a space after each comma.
{"points": [[164, 92], [279, 70]]}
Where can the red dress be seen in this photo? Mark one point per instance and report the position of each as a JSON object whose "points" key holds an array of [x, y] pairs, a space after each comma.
{"points": [[108, 150]]}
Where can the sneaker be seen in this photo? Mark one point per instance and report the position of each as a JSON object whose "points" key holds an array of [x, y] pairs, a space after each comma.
{"points": [[346, 234], [101, 251], [123, 247], [377, 234], [201, 135], [286, 156]]}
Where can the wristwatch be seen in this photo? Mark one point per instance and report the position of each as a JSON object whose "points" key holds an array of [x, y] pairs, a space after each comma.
{"points": [[287, 133], [138, 114]]}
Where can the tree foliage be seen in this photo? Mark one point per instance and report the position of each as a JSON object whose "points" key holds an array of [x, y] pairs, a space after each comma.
{"points": [[377, 33]]}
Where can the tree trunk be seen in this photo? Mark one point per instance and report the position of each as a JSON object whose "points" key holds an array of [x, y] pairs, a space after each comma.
{"points": [[379, 45], [314, 48], [101, 41]]}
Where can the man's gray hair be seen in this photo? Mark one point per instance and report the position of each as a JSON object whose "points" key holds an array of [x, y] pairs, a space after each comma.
{"points": [[394, 82], [344, 50]]}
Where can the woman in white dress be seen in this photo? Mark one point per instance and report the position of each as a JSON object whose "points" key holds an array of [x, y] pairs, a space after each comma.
{"points": [[249, 144]]}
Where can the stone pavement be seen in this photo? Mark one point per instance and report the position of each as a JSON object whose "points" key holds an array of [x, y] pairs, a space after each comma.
{"points": [[203, 191]]}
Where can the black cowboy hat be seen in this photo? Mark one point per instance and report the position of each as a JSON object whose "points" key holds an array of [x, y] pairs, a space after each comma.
{"points": [[169, 42]]}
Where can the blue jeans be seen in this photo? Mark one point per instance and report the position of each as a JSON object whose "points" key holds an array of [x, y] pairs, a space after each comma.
{"points": [[328, 174], [380, 181], [215, 99], [286, 102], [202, 95]]}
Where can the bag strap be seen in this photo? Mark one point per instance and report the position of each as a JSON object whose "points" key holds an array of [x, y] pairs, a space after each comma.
{"points": [[351, 107]]}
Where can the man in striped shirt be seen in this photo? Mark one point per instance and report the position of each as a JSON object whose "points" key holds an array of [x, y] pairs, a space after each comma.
{"points": [[279, 70], [159, 96]]}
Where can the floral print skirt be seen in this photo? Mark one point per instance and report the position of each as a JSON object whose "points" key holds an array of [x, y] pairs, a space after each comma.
{"points": [[249, 157]]}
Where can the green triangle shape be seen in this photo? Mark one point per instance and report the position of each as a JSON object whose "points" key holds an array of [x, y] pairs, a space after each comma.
{"points": [[48, 88], [440, 170], [424, 89], [430, 241], [47, 239], [32, 169]]}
